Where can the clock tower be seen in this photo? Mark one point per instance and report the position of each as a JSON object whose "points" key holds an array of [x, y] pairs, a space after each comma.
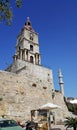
{"points": [[27, 47]]}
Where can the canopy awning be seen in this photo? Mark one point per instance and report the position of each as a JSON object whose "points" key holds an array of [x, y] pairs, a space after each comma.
{"points": [[49, 106]]}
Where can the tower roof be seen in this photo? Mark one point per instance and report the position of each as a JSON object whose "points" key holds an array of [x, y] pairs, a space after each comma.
{"points": [[28, 25]]}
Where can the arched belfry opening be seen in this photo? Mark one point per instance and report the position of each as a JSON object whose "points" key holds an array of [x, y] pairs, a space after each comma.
{"points": [[19, 52], [31, 59], [31, 47]]}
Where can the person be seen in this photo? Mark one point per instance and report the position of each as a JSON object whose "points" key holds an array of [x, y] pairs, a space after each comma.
{"points": [[31, 125]]}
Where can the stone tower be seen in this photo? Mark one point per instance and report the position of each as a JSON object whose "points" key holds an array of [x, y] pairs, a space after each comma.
{"points": [[27, 48], [32, 83], [61, 83], [27, 58]]}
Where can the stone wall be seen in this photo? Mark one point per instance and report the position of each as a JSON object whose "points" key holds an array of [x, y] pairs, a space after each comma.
{"points": [[20, 94], [28, 69]]}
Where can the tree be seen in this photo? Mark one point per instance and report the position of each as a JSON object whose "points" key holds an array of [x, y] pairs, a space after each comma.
{"points": [[71, 122], [6, 12]]}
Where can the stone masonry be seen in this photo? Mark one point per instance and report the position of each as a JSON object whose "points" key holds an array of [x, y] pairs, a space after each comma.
{"points": [[26, 84], [21, 93]]}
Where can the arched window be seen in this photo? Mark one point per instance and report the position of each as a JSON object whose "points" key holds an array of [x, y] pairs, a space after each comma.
{"points": [[31, 48], [19, 51], [23, 54], [31, 59]]}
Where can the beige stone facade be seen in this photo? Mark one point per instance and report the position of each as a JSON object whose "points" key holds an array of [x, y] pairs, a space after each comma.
{"points": [[22, 93], [26, 84]]}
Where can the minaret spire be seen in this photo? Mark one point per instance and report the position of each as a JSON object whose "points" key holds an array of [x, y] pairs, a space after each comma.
{"points": [[61, 83]]}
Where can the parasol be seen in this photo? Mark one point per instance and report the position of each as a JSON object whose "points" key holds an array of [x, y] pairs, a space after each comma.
{"points": [[49, 106]]}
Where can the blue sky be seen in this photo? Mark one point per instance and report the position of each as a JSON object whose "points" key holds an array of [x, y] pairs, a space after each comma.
{"points": [[56, 23]]}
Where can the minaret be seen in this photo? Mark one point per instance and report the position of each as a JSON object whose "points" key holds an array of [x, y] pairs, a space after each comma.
{"points": [[61, 83]]}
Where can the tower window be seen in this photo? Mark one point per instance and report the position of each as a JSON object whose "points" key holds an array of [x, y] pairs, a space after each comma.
{"points": [[19, 47], [19, 51], [31, 59], [31, 48], [29, 23], [31, 36], [23, 54]]}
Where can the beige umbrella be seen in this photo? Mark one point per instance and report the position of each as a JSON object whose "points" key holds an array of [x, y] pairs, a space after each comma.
{"points": [[49, 106]]}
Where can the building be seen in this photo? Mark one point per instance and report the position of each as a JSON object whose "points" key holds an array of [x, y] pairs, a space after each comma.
{"points": [[26, 84]]}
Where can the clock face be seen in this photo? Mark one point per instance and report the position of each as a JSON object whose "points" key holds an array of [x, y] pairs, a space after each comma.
{"points": [[31, 34]]}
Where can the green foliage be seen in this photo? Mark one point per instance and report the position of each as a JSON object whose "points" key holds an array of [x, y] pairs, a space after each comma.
{"points": [[71, 122], [18, 3], [70, 107], [75, 108], [6, 12]]}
